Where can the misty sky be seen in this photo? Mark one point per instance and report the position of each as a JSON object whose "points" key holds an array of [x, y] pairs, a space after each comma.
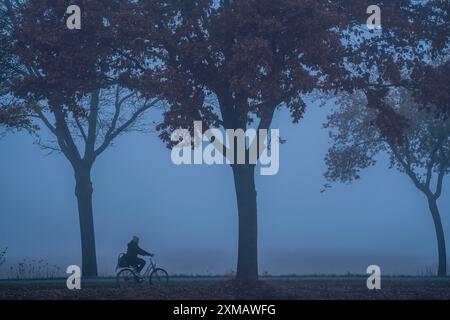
{"points": [[187, 215]]}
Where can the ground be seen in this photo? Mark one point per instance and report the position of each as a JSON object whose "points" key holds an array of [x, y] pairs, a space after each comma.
{"points": [[222, 289]]}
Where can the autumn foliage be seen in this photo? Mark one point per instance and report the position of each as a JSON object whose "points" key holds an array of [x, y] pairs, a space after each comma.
{"points": [[231, 64]]}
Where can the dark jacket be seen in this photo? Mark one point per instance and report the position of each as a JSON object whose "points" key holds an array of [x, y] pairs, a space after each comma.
{"points": [[134, 250]]}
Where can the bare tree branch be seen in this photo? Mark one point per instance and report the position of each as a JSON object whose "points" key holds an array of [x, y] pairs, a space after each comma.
{"points": [[439, 183], [407, 167], [44, 119], [45, 146], [80, 127], [92, 125], [65, 139], [118, 106], [432, 162], [442, 171], [124, 126]]}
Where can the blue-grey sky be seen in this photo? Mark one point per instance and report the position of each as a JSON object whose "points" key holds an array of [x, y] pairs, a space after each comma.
{"points": [[187, 215]]}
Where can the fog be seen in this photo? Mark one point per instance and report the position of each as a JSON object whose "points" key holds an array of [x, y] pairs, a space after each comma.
{"points": [[187, 215]]}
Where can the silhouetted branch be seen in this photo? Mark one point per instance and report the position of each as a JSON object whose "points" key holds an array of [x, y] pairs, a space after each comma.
{"points": [[80, 127], [109, 138], [44, 119]]}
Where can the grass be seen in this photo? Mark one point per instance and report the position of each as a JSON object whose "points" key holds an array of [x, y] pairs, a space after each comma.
{"points": [[331, 288], [33, 269]]}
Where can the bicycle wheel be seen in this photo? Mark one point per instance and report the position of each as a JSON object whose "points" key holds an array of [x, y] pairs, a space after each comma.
{"points": [[159, 277], [126, 278]]}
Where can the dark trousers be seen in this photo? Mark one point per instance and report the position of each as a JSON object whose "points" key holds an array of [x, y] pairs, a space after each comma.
{"points": [[137, 263]]}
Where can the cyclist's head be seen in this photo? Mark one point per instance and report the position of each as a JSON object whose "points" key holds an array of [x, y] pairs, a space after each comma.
{"points": [[136, 239]]}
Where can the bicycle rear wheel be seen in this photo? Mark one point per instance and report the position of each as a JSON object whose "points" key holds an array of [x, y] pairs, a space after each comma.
{"points": [[159, 276], [126, 278]]}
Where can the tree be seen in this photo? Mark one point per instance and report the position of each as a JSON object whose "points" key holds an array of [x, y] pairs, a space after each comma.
{"points": [[72, 83], [12, 115], [423, 153], [232, 64], [432, 86], [410, 51]]}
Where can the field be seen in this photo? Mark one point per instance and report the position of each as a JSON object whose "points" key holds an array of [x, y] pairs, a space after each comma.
{"points": [[274, 288]]}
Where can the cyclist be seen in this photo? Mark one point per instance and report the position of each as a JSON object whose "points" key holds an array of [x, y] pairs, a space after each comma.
{"points": [[132, 254]]}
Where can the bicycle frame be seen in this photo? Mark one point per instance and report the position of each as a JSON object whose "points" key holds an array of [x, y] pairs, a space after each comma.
{"points": [[151, 265]]}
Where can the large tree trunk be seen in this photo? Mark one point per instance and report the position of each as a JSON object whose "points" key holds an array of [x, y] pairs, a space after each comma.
{"points": [[442, 269], [83, 192], [244, 180]]}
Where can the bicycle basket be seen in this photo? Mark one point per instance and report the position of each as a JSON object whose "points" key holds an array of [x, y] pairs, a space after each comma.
{"points": [[122, 261]]}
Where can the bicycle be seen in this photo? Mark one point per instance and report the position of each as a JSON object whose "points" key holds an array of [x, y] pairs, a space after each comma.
{"points": [[129, 277]]}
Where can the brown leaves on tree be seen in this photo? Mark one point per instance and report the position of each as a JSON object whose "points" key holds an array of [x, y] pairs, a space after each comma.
{"points": [[63, 65], [248, 56]]}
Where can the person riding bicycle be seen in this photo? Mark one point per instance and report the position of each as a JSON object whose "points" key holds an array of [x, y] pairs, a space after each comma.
{"points": [[132, 255]]}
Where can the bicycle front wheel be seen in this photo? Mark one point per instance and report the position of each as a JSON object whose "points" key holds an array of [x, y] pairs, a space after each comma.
{"points": [[159, 277]]}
